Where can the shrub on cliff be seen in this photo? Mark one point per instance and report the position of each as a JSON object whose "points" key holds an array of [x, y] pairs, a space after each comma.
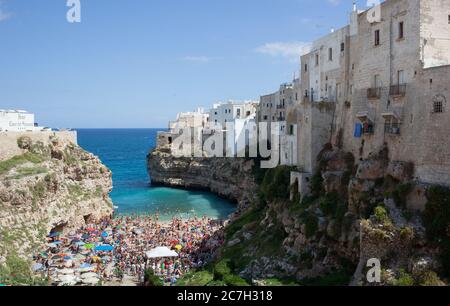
{"points": [[436, 219], [276, 184], [152, 280], [311, 222]]}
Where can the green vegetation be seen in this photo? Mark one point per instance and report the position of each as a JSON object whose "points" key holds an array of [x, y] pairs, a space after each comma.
{"points": [[400, 193], [436, 219], [7, 165], [16, 271], [276, 184], [311, 222], [200, 278], [404, 280], [25, 172], [382, 216], [152, 280]]}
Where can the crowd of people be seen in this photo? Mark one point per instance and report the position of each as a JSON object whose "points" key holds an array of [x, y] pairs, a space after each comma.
{"points": [[112, 249]]}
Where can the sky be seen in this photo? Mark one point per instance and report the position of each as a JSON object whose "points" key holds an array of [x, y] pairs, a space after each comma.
{"points": [[136, 64]]}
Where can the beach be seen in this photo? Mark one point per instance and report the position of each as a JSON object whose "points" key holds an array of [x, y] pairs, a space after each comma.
{"points": [[117, 251]]}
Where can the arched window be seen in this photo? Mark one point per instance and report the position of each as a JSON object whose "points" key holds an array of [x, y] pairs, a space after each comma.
{"points": [[439, 103]]}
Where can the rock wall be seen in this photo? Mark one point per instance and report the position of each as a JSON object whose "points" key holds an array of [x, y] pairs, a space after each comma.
{"points": [[49, 184], [231, 178]]}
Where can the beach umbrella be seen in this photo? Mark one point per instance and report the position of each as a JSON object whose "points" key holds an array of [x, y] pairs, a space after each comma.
{"points": [[89, 246], [89, 275], [104, 248], [66, 271], [52, 245], [80, 243], [85, 236], [90, 281], [105, 234], [87, 269], [85, 265], [53, 235], [178, 247], [91, 229]]}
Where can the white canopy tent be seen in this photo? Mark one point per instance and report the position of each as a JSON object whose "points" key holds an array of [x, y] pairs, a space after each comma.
{"points": [[161, 252]]}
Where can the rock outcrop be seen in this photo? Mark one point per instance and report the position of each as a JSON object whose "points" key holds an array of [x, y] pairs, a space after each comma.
{"points": [[52, 185], [230, 178]]}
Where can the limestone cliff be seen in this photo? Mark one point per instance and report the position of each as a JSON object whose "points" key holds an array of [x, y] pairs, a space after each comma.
{"points": [[52, 184], [227, 177], [353, 213]]}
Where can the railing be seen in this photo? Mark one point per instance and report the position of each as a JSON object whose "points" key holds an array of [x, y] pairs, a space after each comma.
{"points": [[392, 128], [281, 119], [398, 90], [280, 106], [374, 93]]}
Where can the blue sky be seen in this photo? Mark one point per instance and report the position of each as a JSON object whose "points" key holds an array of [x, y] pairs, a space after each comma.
{"points": [[137, 63]]}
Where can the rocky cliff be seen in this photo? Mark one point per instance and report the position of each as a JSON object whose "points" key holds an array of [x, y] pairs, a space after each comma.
{"points": [[51, 185], [355, 212], [227, 177]]}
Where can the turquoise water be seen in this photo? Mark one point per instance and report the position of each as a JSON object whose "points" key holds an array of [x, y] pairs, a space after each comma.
{"points": [[124, 151]]}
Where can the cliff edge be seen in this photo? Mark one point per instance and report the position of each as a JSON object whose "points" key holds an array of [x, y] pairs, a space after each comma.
{"points": [[47, 184]]}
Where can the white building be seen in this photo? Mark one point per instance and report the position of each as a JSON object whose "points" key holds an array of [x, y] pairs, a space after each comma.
{"points": [[229, 112], [196, 119], [17, 121]]}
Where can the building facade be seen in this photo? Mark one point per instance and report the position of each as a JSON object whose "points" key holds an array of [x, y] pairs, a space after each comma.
{"points": [[17, 121], [380, 81]]}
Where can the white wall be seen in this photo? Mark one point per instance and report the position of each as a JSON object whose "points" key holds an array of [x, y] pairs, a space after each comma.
{"points": [[16, 121]]}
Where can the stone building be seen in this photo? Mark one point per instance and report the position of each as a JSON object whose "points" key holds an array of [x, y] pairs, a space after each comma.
{"points": [[380, 81]]}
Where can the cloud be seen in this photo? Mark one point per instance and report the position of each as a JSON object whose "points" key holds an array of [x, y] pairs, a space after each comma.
{"points": [[334, 2], [197, 59], [289, 50], [4, 15]]}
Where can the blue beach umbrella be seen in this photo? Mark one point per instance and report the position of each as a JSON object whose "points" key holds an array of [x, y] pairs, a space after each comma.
{"points": [[105, 234], [104, 248], [55, 234]]}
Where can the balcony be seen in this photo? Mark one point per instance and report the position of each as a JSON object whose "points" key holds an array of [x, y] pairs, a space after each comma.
{"points": [[398, 90], [280, 106], [281, 119], [392, 128], [374, 93]]}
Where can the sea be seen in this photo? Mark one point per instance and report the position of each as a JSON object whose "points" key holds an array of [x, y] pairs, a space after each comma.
{"points": [[124, 151]]}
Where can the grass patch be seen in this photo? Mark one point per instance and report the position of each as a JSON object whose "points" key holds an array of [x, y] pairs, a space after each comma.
{"points": [[7, 165], [25, 172]]}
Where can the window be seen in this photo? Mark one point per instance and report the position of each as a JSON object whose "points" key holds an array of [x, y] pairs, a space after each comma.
{"points": [[448, 19], [438, 106], [317, 59], [238, 112], [291, 129], [401, 30], [330, 54], [376, 81], [342, 47], [265, 117], [401, 77], [377, 37], [306, 67]]}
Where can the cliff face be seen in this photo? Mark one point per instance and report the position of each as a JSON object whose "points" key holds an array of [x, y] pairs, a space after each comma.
{"points": [[353, 214], [51, 185], [227, 177]]}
